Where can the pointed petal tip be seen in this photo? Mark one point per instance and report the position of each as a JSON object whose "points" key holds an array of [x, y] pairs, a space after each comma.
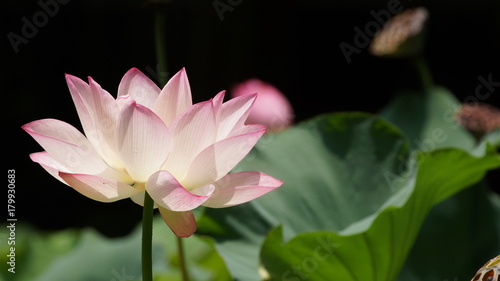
{"points": [[29, 127], [38, 157], [219, 97], [249, 97], [91, 81], [25, 127], [258, 129], [71, 78], [133, 69], [179, 74]]}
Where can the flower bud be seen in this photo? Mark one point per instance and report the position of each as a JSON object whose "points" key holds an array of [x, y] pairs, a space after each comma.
{"points": [[271, 107]]}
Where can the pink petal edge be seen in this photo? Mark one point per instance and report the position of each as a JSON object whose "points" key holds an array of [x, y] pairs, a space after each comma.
{"points": [[220, 158], [66, 145], [241, 187], [137, 85], [99, 188], [174, 98], [234, 114], [168, 193], [49, 164]]}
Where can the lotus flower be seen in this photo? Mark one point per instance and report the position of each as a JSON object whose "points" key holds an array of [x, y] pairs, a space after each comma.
{"points": [[154, 140], [271, 107]]}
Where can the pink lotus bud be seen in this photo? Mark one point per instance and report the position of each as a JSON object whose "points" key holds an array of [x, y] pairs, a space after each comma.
{"points": [[271, 107]]}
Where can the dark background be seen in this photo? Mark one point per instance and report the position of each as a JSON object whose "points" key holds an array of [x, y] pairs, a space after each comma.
{"points": [[291, 44]]}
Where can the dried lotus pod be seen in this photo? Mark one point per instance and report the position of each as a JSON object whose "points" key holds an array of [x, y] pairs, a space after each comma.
{"points": [[489, 272], [479, 117], [402, 35]]}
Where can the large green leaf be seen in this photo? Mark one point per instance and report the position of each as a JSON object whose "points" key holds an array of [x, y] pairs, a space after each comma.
{"points": [[471, 216], [427, 118], [457, 237], [342, 173], [338, 169], [376, 248]]}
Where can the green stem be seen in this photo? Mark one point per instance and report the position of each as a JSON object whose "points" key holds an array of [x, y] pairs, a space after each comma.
{"points": [[424, 72], [147, 238], [182, 259], [161, 56]]}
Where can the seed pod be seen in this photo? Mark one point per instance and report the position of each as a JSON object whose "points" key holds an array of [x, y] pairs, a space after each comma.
{"points": [[401, 36], [489, 272]]}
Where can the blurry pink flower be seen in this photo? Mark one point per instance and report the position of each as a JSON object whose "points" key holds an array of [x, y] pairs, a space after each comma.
{"points": [[271, 107], [155, 140]]}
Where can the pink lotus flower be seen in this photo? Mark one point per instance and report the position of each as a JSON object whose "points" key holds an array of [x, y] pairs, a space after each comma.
{"points": [[154, 140], [271, 107]]}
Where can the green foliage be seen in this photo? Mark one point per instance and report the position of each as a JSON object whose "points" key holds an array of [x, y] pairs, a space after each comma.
{"points": [[358, 184], [400, 196], [381, 244], [86, 255]]}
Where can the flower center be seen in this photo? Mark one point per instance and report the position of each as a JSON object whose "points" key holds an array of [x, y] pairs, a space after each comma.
{"points": [[141, 186]]}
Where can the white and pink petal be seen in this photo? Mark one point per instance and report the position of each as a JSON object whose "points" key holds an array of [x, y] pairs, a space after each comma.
{"points": [[194, 130], [220, 158], [234, 114], [67, 146], [174, 98], [78, 90], [169, 194], [241, 187], [98, 112], [49, 164], [143, 141], [182, 224], [99, 188], [139, 87]]}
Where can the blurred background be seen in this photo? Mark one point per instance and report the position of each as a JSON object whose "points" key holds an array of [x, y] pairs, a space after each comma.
{"points": [[293, 45]]}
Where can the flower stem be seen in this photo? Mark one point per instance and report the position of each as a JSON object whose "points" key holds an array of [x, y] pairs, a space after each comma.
{"points": [[161, 58], [160, 47], [424, 72], [182, 259], [147, 238]]}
